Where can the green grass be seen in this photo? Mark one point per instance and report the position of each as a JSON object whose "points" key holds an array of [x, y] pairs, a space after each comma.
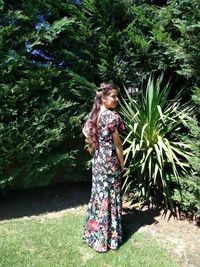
{"points": [[43, 241]]}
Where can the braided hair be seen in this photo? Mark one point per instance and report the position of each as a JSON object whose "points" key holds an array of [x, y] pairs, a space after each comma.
{"points": [[90, 125]]}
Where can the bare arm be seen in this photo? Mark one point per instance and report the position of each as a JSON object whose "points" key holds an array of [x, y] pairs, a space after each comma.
{"points": [[84, 132], [119, 147]]}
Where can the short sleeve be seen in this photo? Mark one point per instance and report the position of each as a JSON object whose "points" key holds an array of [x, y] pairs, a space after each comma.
{"points": [[114, 121]]}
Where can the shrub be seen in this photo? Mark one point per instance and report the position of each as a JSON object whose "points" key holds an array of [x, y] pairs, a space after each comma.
{"points": [[154, 155], [189, 197]]}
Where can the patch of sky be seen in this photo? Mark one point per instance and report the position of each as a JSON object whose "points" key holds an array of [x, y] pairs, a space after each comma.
{"points": [[61, 63], [77, 2], [38, 23], [43, 58], [28, 46], [41, 23], [37, 52], [40, 53]]}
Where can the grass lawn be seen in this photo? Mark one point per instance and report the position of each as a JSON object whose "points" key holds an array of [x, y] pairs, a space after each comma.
{"points": [[56, 241]]}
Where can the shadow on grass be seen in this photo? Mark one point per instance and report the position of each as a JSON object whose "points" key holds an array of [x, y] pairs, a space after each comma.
{"points": [[57, 197], [134, 219]]}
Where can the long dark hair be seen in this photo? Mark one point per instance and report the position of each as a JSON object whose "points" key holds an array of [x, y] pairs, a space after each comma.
{"points": [[91, 123]]}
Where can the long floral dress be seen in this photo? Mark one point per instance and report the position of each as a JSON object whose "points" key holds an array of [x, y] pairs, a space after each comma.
{"points": [[102, 224]]}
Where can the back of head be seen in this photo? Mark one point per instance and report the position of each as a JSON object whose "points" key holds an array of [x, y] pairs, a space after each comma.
{"points": [[91, 124]]}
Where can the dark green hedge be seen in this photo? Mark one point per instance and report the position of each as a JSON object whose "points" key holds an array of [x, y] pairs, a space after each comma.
{"points": [[54, 53]]}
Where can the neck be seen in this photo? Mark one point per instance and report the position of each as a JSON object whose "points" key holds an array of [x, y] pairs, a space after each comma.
{"points": [[103, 107]]}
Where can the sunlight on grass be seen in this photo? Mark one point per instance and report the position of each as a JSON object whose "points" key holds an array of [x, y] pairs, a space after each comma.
{"points": [[43, 241]]}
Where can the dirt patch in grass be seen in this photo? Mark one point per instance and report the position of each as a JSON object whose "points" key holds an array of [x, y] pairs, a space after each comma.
{"points": [[179, 236]]}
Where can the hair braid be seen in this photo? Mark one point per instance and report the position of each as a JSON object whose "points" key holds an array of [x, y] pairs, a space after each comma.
{"points": [[91, 123]]}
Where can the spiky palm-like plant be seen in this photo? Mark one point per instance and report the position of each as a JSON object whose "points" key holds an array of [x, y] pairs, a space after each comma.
{"points": [[153, 152]]}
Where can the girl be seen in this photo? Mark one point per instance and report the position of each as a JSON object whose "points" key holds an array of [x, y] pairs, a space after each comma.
{"points": [[102, 224]]}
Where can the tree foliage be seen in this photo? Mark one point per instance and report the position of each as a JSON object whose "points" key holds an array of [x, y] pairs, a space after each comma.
{"points": [[53, 54], [188, 199], [42, 86]]}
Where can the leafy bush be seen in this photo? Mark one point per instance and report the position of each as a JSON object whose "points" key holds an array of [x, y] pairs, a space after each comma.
{"points": [[189, 198], [40, 97], [154, 155], [53, 54]]}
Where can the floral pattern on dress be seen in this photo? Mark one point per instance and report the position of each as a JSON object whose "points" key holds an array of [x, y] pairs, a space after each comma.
{"points": [[102, 224]]}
